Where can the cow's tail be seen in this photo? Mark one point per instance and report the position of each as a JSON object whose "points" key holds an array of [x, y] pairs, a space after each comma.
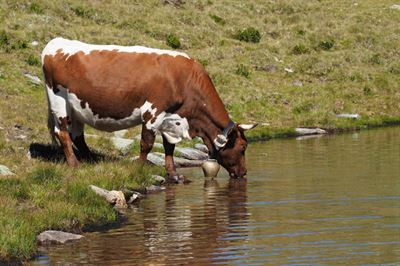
{"points": [[51, 123], [51, 126]]}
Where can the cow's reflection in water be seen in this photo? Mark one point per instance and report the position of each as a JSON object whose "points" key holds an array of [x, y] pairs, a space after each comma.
{"points": [[196, 228]]}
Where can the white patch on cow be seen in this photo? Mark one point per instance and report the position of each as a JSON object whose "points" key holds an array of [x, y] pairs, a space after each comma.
{"points": [[86, 116], [71, 47], [174, 128], [58, 106], [65, 103]]}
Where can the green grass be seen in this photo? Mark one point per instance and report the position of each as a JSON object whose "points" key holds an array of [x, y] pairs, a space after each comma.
{"points": [[345, 55]]}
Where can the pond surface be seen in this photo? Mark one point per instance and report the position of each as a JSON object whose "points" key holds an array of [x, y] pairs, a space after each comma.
{"points": [[332, 200]]}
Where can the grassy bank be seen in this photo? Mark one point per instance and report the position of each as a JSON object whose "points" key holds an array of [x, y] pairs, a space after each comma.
{"points": [[53, 196], [283, 63]]}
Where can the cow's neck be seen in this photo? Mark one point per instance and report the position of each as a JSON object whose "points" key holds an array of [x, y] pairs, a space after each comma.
{"points": [[205, 110], [210, 121]]}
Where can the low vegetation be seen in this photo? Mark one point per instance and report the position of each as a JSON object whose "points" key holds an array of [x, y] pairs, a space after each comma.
{"points": [[283, 64]]}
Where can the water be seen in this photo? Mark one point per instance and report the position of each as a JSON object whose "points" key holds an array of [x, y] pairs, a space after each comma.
{"points": [[331, 200]]}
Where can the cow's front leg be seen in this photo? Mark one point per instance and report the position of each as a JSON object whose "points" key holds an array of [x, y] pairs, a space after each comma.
{"points": [[146, 143], [169, 148]]}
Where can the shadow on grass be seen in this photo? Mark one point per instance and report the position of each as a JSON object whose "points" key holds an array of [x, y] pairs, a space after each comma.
{"points": [[49, 153]]}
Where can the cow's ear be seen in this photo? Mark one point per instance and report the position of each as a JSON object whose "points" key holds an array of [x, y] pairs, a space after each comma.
{"points": [[245, 127]]}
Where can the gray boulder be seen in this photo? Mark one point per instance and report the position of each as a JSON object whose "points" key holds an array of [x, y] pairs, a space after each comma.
{"points": [[192, 154], [201, 147], [56, 237], [158, 179], [121, 143], [309, 131], [156, 159]]}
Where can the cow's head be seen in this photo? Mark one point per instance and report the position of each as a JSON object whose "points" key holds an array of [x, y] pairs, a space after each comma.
{"points": [[232, 145]]}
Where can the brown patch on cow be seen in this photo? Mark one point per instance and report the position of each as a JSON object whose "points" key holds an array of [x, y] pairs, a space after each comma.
{"points": [[147, 116], [115, 83]]}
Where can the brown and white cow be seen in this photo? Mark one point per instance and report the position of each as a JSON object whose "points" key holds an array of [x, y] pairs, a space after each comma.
{"points": [[113, 87]]}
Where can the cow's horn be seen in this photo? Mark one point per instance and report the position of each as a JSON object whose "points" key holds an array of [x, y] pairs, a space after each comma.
{"points": [[247, 126]]}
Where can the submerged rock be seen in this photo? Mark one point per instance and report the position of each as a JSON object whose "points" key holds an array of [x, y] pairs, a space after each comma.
{"points": [[56, 237], [309, 131], [153, 189], [4, 170]]}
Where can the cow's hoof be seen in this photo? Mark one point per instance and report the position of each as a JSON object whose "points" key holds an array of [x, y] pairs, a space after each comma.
{"points": [[177, 178], [73, 163], [172, 179]]}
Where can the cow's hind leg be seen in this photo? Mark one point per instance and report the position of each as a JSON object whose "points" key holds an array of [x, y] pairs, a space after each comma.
{"points": [[63, 136], [59, 109], [78, 138], [146, 143]]}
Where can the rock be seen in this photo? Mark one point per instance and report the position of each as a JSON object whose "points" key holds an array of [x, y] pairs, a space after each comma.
{"points": [[121, 143], [192, 154], [158, 145], [354, 116], [288, 70], [158, 179], [34, 43], [298, 83], [309, 131], [134, 197], [20, 137], [155, 159], [395, 6], [120, 133], [114, 197], [4, 170], [268, 68], [201, 147], [278, 60], [56, 237], [153, 189], [34, 79], [180, 162]]}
